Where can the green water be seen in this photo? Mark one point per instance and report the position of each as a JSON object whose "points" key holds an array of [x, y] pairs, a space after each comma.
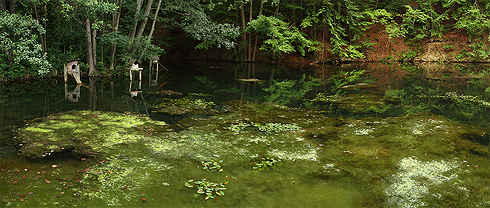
{"points": [[422, 147]]}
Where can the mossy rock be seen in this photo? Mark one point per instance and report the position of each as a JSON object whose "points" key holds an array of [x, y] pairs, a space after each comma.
{"points": [[88, 133]]}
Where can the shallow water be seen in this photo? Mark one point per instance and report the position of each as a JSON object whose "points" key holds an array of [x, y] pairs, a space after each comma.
{"points": [[422, 148]]}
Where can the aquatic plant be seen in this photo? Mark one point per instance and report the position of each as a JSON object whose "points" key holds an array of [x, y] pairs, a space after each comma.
{"points": [[210, 189], [276, 127], [266, 163], [237, 128], [268, 127], [194, 102], [212, 165], [117, 178]]}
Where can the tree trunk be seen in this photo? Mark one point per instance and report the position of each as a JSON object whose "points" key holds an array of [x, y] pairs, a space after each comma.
{"points": [[250, 34], [115, 20], [135, 22], [152, 28], [143, 24], [3, 6], [277, 9], [89, 50], [244, 35], [12, 6], [256, 37], [12, 37], [94, 48]]}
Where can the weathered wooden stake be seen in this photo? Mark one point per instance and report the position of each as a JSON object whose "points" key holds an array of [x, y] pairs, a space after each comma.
{"points": [[135, 67], [72, 68]]}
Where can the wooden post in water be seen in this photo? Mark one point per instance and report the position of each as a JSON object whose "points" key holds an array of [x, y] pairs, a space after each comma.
{"points": [[154, 60], [72, 68], [135, 67]]}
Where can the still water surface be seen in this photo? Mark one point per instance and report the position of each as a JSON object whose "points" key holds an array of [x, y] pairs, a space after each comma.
{"points": [[392, 136]]}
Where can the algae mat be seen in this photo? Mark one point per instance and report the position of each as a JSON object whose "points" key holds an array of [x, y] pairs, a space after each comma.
{"points": [[93, 159]]}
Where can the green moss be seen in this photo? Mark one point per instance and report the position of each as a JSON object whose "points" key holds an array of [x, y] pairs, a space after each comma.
{"points": [[193, 103], [85, 132]]}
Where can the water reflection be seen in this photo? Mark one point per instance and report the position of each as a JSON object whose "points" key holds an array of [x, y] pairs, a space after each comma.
{"points": [[74, 95], [354, 159]]}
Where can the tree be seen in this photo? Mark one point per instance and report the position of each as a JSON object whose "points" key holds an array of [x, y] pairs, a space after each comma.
{"points": [[26, 49], [280, 36], [89, 11], [345, 21]]}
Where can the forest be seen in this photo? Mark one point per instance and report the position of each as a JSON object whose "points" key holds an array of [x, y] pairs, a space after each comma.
{"points": [[37, 37]]}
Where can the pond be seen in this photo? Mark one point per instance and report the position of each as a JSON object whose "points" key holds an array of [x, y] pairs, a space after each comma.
{"points": [[207, 134]]}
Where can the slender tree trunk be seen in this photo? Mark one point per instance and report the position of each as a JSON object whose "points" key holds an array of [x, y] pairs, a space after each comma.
{"points": [[135, 22], [3, 6], [94, 48], [12, 6], [256, 37], [244, 35], [277, 9], [143, 24], [275, 15], [250, 34], [12, 37], [145, 20], [115, 20], [40, 35], [152, 27], [89, 50]]}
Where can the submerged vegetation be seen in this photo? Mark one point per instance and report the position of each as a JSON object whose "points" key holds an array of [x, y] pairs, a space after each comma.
{"points": [[395, 157], [354, 145], [268, 127]]}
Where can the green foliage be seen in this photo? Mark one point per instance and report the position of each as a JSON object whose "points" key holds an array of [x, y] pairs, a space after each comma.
{"points": [[26, 49], [280, 36], [448, 47], [210, 189], [196, 23], [408, 55], [288, 90], [480, 50], [86, 9], [473, 20], [266, 163], [345, 20], [420, 22]]}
